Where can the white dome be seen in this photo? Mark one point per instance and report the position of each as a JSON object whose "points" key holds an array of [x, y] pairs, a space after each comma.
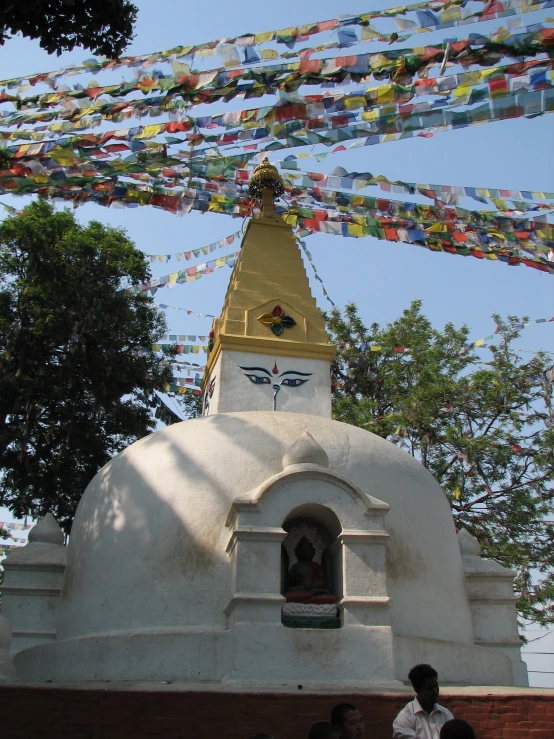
{"points": [[148, 545]]}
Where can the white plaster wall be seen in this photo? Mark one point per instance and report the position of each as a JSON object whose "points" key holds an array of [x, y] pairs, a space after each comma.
{"points": [[234, 391], [147, 549]]}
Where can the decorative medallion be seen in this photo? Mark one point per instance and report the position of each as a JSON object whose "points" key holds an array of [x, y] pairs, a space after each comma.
{"points": [[277, 320]]}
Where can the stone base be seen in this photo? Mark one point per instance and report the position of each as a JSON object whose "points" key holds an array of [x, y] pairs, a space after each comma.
{"points": [[311, 622], [144, 711], [267, 655]]}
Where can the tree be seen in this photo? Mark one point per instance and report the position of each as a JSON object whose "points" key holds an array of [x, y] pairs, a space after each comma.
{"points": [[77, 370], [103, 26], [484, 429], [190, 405]]}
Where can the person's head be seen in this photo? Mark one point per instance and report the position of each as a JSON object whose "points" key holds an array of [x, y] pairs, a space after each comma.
{"points": [[456, 728], [304, 550], [324, 730], [261, 736], [349, 720], [425, 683]]}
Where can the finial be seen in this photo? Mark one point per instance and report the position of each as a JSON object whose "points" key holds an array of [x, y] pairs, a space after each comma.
{"points": [[468, 544], [46, 531], [305, 450], [266, 185]]}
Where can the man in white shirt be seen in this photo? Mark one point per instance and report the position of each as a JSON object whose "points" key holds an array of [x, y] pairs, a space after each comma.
{"points": [[422, 718]]}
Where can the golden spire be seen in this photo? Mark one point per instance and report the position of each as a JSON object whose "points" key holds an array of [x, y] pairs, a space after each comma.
{"points": [[269, 307]]}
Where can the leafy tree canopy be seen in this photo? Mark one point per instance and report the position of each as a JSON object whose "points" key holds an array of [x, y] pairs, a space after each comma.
{"points": [[77, 370], [484, 429], [103, 26]]}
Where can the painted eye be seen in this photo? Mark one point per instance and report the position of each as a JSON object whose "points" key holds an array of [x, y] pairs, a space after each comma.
{"points": [[293, 382], [259, 379]]}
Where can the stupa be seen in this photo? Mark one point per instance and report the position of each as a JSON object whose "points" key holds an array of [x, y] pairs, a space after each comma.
{"points": [[263, 544]]}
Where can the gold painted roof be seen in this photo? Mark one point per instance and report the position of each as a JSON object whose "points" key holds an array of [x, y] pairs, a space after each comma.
{"points": [[269, 282]]}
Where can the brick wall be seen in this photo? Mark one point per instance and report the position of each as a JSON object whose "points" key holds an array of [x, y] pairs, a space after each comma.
{"points": [[60, 713]]}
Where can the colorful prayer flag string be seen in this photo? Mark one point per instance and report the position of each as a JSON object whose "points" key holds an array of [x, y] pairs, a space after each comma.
{"points": [[481, 343], [164, 306], [221, 244]]}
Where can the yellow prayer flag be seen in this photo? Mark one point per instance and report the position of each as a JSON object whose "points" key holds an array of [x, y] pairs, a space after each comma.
{"points": [[149, 132], [436, 227], [370, 115], [355, 230], [385, 94], [451, 14], [262, 38], [64, 157], [354, 102], [269, 54], [368, 33], [501, 35], [462, 91]]}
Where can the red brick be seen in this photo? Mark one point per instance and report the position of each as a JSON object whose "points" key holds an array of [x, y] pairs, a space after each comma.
{"points": [[110, 714]]}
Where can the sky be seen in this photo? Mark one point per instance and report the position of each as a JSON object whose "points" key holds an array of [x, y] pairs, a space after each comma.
{"points": [[381, 277]]}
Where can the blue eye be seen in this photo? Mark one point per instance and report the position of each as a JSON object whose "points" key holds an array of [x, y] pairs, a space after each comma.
{"points": [[259, 379], [292, 382]]}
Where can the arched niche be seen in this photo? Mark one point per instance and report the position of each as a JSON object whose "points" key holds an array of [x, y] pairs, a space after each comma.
{"points": [[311, 568], [352, 518]]}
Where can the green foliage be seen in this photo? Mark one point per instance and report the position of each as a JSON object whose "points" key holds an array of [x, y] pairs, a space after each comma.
{"points": [[77, 370], [484, 429], [191, 405], [103, 26]]}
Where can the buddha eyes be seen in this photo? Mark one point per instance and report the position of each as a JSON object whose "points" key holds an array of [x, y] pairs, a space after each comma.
{"points": [[292, 382], [287, 382], [259, 379], [277, 381]]}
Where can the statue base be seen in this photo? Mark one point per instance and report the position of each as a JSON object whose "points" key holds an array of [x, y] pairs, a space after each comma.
{"points": [[311, 622]]}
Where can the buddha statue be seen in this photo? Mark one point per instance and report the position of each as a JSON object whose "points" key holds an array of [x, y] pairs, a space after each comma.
{"points": [[306, 581]]}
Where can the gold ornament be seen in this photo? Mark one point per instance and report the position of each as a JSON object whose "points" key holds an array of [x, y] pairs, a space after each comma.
{"points": [[266, 176]]}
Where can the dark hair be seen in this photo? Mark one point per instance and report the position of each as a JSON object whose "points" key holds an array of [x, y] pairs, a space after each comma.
{"points": [[419, 674], [338, 713], [261, 736], [456, 728], [323, 730]]}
